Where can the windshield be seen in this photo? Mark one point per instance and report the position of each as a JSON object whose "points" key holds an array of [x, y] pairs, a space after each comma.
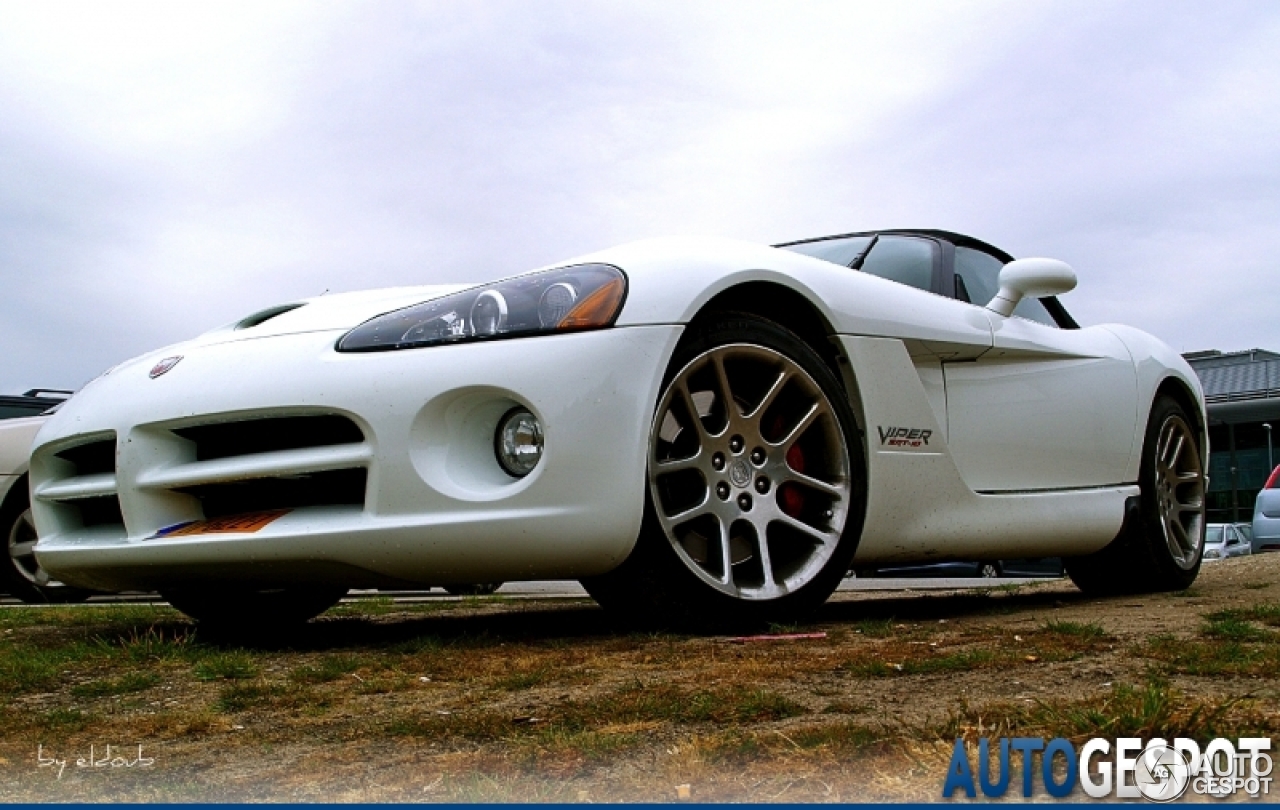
{"points": [[837, 251]]}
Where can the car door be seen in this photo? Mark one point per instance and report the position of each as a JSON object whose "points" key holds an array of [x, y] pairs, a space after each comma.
{"points": [[1234, 545], [1045, 407]]}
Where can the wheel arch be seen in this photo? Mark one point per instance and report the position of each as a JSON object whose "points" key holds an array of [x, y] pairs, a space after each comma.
{"points": [[1180, 392], [782, 305], [793, 310], [21, 485]]}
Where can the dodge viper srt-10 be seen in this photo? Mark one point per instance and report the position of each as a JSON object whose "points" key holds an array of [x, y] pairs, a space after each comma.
{"points": [[700, 430]]}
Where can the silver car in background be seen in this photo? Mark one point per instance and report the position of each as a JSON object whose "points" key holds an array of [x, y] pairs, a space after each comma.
{"points": [[1266, 516], [1222, 540]]}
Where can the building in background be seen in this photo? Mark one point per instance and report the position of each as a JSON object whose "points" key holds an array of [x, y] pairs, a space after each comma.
{"points": [[1242, 391]]}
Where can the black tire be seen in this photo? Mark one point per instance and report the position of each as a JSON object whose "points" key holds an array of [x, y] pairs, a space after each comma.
{"points": [[1142, 559], [251, 612], [478, 589], [659, 586], [21, 575]]}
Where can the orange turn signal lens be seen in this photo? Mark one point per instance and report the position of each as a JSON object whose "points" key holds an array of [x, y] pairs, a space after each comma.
{"points": [[598, 308]]}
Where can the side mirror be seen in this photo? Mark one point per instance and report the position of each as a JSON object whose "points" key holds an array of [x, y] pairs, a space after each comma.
{"points": [[1037, 278]]}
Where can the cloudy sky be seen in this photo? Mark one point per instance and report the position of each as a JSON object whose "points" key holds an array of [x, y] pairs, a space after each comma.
{"points": [[165, 168]]}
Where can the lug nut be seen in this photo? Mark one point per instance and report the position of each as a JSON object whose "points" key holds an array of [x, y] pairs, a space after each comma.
{"points": [[736, 444], [744, 502], [717, 462], [762, 485], [722, 489], [757, 456]]}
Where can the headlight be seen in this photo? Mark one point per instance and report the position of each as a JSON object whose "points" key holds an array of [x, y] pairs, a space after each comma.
{"points": [[587, 296]]}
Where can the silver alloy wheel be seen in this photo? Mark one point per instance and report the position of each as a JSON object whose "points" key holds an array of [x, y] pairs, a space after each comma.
{"points": [[1180, 491], [988, 571], [749, 471], [21, 545]]}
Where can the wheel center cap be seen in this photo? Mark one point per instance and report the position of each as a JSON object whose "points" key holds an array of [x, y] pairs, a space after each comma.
{"points": [[740, 473]]}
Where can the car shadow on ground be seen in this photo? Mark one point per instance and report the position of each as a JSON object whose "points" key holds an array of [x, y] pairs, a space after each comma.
{"points": [[534, 622]]}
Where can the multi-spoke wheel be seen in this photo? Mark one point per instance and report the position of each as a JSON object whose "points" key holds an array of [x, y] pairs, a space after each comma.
{"points": [[22, 575], [1179, 487], [1160, 547], [755, 483]]}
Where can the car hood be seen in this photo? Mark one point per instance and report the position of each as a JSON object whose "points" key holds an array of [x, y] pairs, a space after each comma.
{"points": [[325, 313]]}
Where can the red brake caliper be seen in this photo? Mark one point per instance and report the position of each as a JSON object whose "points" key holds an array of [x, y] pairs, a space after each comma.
{"points": [[791, 497]]}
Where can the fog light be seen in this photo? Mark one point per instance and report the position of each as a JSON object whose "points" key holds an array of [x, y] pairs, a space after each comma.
{"points": [[518, 443]]}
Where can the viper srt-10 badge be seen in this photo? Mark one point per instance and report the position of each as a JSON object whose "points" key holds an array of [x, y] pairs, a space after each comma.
{"points": [[903, 437]]}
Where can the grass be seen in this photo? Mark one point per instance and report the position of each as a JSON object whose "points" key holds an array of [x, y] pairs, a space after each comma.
{"points": [[922, 664], [1087, 632], [329, 668], [1233, 628], [232, 665], [555, 699], [1268, 614], [259, 695], [1153, 709], [635, 706], [126, 684]]}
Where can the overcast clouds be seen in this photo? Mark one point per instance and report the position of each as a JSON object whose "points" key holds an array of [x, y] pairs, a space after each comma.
{"points": [[166, 168]]}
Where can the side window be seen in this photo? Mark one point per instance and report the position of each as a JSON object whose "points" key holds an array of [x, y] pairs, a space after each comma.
{"points": [[18, 411], [902, 259], [978, 275]]}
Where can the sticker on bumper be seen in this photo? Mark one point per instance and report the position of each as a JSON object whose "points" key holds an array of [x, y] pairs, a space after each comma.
{"points": [[234, 524]]}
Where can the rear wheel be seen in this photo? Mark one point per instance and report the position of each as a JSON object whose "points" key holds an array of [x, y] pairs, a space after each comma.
{"points": [[1160, 547], [22, 576], [988, 570], [756, 484], [250, 611]]}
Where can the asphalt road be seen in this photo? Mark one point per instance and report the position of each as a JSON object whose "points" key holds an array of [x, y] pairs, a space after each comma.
{"points": [[569, 589]]}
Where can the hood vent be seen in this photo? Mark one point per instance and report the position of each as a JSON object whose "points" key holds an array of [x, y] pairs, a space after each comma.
{"points": [[259, 318]]}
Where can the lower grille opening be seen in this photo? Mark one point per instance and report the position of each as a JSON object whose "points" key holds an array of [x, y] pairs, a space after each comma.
{"points": [[228, 439], [93, 458], [330, 488], [92, 512]]}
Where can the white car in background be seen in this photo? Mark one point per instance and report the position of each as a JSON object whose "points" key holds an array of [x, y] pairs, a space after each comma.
{"points": [[20, 574], [1223, 540], [700, 430]]}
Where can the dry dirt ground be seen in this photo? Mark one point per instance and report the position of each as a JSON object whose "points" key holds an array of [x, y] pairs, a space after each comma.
{"points": [[496, 700]]}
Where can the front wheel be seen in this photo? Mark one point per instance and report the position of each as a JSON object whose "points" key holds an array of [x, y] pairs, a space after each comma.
{"points": [[1160, 546], [756, 484]]}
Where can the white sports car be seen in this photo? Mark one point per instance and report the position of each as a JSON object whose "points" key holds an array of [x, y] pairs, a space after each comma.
{"points": [[20, 574], [701, 430]]}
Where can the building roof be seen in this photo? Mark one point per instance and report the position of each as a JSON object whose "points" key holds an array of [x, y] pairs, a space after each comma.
{"points": [[1234, 376]]}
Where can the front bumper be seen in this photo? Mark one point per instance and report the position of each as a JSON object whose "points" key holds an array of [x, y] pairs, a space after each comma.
{"points": [[435, 507]]}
